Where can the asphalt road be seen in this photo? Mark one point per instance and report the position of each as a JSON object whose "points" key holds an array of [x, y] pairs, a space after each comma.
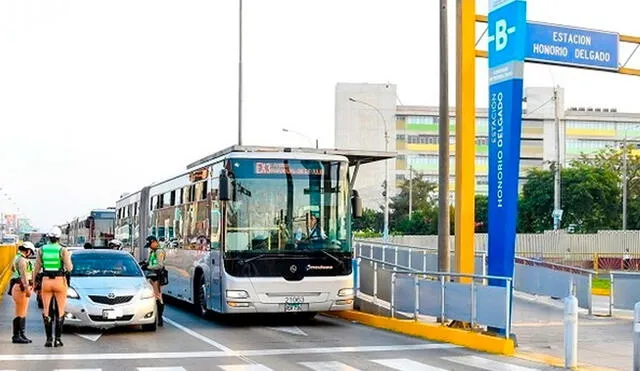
{"points": [[188, 342]]}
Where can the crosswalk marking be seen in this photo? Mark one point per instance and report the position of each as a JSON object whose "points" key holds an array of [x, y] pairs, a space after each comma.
{"points": [[404, 364], [254, 367], [328, 366], [161, 369], [486, 364]]}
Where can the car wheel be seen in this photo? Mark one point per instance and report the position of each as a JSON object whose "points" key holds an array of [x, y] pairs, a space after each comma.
{"points": [[150, 327], [200, 298]]}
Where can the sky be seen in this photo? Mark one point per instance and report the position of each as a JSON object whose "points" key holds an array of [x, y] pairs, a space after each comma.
{"points": [[98, 98]]}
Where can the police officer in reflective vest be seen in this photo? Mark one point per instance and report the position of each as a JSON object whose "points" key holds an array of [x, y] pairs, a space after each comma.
{"points": [[156, 265], [55, 262], [20, 288]]}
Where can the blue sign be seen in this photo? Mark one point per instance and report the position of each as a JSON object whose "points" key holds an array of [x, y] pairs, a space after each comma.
{"points": [[507, 44], [572, 46]]}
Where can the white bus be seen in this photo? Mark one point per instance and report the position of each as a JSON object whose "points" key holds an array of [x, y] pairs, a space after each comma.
{"points": [[238, 229]]}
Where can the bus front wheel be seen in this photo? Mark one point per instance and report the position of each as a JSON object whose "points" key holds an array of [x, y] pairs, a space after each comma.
{"points": [[201, 296]]}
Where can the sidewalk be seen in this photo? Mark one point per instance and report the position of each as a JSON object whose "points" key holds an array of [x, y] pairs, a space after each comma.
{"points": [[602, 341]]}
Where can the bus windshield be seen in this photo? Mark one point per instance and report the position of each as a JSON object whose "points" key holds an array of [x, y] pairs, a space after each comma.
{"points": [[294, 205]]}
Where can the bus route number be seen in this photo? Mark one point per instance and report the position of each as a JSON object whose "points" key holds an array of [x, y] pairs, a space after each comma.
{"points": [[294, 299]]}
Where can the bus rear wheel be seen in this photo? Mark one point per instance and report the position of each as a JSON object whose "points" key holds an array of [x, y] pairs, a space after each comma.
{"points": [[200, 299]]}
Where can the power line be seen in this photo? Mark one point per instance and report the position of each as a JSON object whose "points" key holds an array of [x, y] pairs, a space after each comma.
{"points": [[540, 106]]}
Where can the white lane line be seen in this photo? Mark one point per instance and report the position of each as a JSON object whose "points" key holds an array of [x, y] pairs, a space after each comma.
{"points": [[294, 330], [404, 364], [256, 367], [328, 366], [487, 364], [199, 336], [92, 337], [161, 369], [78, 369], [217, 354]]}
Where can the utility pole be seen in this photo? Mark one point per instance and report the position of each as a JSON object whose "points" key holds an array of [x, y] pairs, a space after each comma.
{"points": [[444, 260], [557, 213], [410, 191], [240, 73], [624, 181]]}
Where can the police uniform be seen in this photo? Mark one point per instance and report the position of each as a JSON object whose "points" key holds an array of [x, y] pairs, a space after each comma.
{"points": [[155, 263], [20, 290]]}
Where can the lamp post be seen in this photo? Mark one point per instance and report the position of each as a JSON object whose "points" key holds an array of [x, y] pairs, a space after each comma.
{"points": [[624, 177], [300, 134], [385, 233], [240, 72]]}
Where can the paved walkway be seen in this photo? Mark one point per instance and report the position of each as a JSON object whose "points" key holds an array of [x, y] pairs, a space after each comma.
{"points": [[602, 341]]}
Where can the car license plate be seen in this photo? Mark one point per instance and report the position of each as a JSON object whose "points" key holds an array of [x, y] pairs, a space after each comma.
{"points": [[112, 313], [293, 307]]}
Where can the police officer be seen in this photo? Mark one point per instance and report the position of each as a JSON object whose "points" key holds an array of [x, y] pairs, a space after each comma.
{"points": [[20, 288], [115, 245], [55, 262], [156, 265]]}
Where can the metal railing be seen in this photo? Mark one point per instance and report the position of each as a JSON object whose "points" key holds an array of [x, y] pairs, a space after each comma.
{"points": [[435, 294]]}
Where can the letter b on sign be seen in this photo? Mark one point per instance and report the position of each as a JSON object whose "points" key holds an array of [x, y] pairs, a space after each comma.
{"points": [[501, 34]]}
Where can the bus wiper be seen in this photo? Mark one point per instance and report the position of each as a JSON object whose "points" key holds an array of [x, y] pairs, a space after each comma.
{"points": [[332, 257], [257, 257]]}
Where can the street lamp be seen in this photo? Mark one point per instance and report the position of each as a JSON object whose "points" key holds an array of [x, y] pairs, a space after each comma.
{"points": [[624, 178], [300, 134], [386, 167]]}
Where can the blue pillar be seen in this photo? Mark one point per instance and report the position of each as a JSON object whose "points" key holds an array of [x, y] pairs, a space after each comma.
{"points": [[507, 37]]}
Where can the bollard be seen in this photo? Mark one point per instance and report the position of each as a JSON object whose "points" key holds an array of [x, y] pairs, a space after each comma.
{"points": [[636, 337], [570, 332]]}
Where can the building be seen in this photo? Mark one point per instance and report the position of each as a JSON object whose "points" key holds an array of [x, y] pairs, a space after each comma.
{"points": [[362, 110]]}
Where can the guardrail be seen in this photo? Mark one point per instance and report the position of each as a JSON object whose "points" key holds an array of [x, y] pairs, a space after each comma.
{"points": [[554, 280], [434, 294], [409, 256]]}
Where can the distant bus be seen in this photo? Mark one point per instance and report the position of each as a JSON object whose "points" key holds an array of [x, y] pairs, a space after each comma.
{"points": [[236, 228], [96, 228]]}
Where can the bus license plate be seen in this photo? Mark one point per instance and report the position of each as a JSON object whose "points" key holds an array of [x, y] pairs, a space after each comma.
{"points": [[293, 307]]}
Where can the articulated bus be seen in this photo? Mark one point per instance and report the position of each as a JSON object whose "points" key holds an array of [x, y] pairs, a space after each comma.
{"points": [[253, 229], [97, 228]]}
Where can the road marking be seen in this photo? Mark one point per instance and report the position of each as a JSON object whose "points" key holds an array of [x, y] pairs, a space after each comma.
{"points": [[289, 329], [328, 366], [404, 364], [92, 337], [246, 368], [217, 354], [199, 336], [486, 364], [161, 369], [78, 369]]}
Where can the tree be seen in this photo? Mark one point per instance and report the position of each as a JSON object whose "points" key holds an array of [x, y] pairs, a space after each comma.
{"points": [[590, 199], [613, 158], [371, 221], [482, 214], [423, 195]]}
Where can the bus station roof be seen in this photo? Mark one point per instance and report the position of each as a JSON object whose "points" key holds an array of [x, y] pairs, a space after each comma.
{"points": [[355, 156]]}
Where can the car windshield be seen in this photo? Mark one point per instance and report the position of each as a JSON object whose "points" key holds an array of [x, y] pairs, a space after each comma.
{"points": [[96, 264]]}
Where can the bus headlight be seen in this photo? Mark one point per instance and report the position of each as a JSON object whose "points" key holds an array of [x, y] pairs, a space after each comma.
{"points": [[72, 293], [237, 294], [346, 292]]}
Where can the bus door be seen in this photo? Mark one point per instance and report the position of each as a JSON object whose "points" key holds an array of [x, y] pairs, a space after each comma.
{"points": [[216, 261]]}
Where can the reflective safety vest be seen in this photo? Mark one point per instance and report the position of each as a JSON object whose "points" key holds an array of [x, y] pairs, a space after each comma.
{"points": [[153, 258], [51, 260], [16, 271]]}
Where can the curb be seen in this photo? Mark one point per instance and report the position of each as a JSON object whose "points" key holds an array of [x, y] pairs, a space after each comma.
{"points": [[467, 339], [556, 361], [600, 292]]}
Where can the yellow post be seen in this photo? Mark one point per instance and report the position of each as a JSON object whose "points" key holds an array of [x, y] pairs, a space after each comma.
{"points": [[465, 136]]}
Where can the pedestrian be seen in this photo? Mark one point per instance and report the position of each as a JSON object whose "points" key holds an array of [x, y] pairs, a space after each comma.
{"points": [[20, 288], [55, 262]]}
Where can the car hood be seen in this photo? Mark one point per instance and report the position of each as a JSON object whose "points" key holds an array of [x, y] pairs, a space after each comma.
{"points": [[116, 285]]}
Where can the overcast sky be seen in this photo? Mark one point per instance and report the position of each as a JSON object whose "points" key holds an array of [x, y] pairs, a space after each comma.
{"points": [[98, 98]]}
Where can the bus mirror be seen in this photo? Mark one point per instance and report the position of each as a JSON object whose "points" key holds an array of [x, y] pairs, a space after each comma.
{"points": [[356, 205], [224, 193]]}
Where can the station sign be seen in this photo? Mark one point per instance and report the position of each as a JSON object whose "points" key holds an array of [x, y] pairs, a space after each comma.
{"points": [[572, 46]]}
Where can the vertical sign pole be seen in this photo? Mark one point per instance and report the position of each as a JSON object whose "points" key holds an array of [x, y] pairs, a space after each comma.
{"points": [[465, 137], [507, 38]]}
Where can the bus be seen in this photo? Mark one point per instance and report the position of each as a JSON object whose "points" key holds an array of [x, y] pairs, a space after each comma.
{"points": [[253, 229], [96, 228]]}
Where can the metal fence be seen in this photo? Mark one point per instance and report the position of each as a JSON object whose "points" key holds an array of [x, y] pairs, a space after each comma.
{"points": [[429, 293]]}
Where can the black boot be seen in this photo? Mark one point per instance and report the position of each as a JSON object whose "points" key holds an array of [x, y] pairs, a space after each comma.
{"points": [[59, 323], [48, 330], [16, 339], [23, 325], [160, 312]]}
